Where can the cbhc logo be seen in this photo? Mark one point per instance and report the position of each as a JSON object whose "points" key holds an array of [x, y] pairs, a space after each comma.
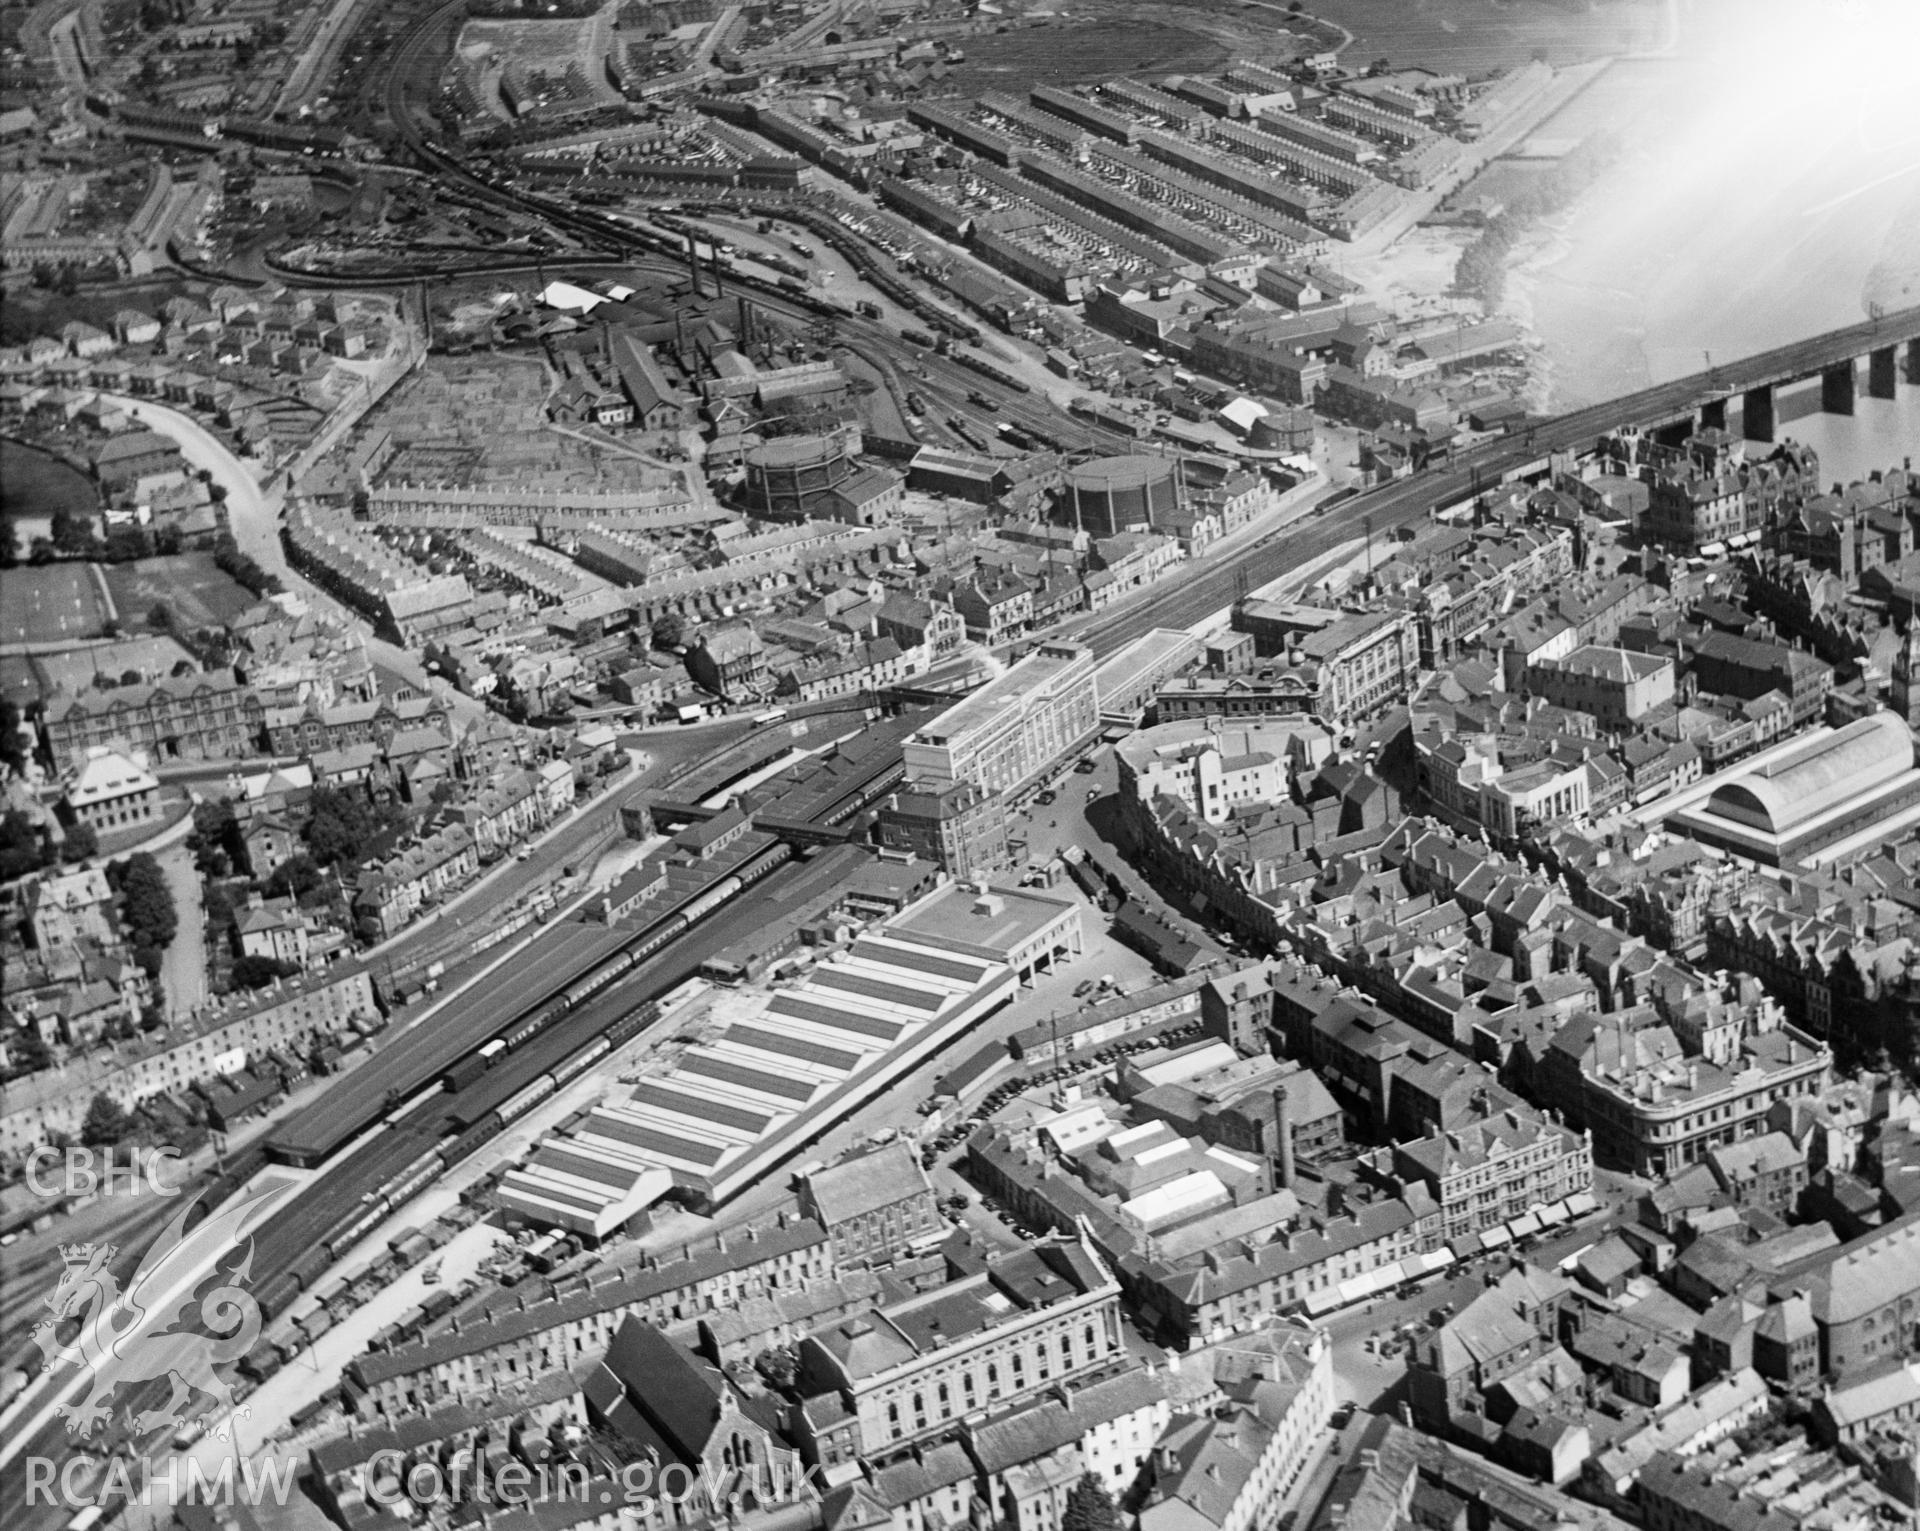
{"points": [[77, 1171]]}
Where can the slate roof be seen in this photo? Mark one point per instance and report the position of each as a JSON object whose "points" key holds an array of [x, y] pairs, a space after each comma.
{"points": [[850, 1190]]}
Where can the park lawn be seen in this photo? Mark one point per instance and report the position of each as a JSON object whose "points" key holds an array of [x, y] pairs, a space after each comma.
{"points": [[49, 603], [38, 485], [200, 594]]}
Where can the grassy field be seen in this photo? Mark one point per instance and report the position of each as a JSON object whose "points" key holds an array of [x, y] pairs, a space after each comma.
{"points": [[49, 604], [1063, 54], [1113, 37], [1475, 36], [38, 485], [200, 594]]}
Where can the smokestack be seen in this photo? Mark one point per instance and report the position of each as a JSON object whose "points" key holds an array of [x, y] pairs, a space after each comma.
{"points": [[693, 268], [1283, 1138], [714, 253]]}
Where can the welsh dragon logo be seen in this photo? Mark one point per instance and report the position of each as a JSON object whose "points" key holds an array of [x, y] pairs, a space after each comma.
{"points": [[160, 1326]]}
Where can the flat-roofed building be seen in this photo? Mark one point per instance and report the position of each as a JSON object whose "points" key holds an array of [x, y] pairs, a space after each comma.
{"points": [[1126, 681], [778, 1070], [1016, 727], [1025, 931], [1212, 767], [1031, 1319]]}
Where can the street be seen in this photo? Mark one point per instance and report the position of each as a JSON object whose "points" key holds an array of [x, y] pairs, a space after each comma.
{"points": [[253, 517]]}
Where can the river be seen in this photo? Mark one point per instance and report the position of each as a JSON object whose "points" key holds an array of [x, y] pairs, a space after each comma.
{"points": [[1748, 213]]}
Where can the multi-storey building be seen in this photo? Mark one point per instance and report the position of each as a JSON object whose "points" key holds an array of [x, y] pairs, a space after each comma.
{"points": [[1616, 686], [1504, 1330], [1032, 1457], [1014, 728], [1231, 1468], [1651, 1107], [729, 661], [1366, 660], [392, 892], [195, 1047], [188, 718], [1707, 491], [1494, 1170], [1285, 691], [959, 826], [1031, 1319], [875, 1207], [1750, 668], [1211, 768], [1210, 1276], [529, 1336], [108, 790]]}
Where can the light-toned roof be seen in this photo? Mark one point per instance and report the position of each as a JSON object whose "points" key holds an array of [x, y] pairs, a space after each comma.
{"points": [[855, 1187], [1807, 782], [107, 775]]}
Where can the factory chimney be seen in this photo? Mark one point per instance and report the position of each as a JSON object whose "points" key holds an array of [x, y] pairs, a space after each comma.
{"points": [[1283, 1138]]}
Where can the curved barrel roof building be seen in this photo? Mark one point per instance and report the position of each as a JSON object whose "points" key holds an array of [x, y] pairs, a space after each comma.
{"points": [[1809, 803]]}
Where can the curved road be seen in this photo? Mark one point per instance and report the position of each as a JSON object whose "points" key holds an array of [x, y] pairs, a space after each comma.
{"points": [[253, 517], [252, 513]]}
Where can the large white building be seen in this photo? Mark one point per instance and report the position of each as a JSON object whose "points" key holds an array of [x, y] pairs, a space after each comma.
{"points": [[1032, 1319], [1015, 727], [772, 1072], [1211, 766], [110, 789]]}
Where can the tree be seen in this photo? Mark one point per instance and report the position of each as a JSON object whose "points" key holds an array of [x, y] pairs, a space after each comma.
{"points": [[132, 678], [215, 835], [338, 827], [669, 629], [161, 617], [79, 843], [13, 748], [1090, 1507], [107, 1123], [30, 1051], [258, 972], [21, 847], [295, 878], [146, 906]]}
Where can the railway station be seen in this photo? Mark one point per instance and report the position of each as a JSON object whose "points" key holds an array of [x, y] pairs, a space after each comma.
{"points": [[774, 1071]]}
